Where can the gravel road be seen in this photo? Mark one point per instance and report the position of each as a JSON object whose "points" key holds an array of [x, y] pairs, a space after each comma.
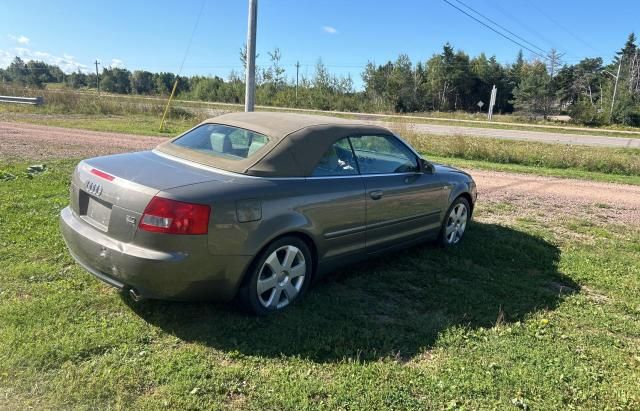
{"points": [[35, 143], [567, 198]]}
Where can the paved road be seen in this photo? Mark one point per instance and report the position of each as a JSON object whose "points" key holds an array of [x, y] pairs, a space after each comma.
{"points": [[522, 135]]}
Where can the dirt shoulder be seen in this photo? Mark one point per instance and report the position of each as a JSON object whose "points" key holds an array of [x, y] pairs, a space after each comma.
{"points": [[550, 198], [545, 195], [30, 142]]}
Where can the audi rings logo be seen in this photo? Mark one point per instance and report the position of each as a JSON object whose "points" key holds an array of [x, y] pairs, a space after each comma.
{"points": [[94, 188]]}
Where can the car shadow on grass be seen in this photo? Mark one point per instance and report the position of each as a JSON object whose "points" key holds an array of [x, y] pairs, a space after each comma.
{"points": [[393, 306]]}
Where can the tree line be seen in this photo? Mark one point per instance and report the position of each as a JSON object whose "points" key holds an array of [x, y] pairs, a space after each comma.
{"points": [[448, 81]]}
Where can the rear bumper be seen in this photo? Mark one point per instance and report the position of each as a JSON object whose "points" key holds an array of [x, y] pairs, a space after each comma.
{"points": [[190, 274]]}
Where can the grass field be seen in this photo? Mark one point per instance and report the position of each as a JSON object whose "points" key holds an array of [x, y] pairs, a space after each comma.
{"points": [[535, 170], [632, 132], [580, 158], [530, 312], [130, 124], [77, 110]]}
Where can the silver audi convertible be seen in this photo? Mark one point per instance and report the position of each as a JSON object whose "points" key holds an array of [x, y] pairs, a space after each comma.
{"points": [[256, 206]]}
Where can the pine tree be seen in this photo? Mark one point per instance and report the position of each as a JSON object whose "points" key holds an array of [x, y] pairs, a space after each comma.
{"points": [[534, 95], [628, 50]]}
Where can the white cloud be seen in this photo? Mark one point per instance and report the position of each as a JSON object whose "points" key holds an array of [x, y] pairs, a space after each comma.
{"points": [[20, 39], [67, 63], [5, 58], [330, 30], [117, 63]]}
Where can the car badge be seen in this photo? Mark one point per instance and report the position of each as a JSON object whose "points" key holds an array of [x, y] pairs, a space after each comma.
{"points": [[94, 188]]}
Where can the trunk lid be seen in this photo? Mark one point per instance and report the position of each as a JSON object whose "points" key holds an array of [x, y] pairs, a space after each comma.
{"points": [[151, 170], [111, 192]]}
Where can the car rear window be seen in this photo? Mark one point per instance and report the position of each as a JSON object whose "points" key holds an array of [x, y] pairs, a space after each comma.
{"points": [[223, 141]]}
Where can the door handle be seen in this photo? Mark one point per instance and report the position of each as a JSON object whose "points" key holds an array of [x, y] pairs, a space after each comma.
{"points": [[376, 194]]}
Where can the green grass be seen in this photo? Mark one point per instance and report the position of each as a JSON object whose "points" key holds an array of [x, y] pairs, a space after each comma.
{"points": [[550, 128], [535, 170], [516, 120], [103, 113], [518, 316], [140, 124]]}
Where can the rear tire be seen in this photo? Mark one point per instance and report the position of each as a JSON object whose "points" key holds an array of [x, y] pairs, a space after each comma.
{"points": [[455, 223], [278, 278]]}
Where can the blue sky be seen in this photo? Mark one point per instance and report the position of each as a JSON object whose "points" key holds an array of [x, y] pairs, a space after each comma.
{"points": [[153, 35]]}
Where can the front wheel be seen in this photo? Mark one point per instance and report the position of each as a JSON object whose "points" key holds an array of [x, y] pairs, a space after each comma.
{"points": [[280, 276], [455, 222]]}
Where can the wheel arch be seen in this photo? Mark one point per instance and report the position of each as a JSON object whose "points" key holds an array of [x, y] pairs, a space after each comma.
{"points": [[301, 235], [461, 190], [466, 196]]}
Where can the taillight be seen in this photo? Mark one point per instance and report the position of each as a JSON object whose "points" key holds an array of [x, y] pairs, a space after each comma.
{"points": [[175, 217]]}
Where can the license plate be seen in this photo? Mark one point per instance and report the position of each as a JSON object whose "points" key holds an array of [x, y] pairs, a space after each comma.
{"points": [[99, 213]]}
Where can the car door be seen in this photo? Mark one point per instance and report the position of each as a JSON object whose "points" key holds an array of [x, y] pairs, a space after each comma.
{"points": [[402, 201], [338, 206]]}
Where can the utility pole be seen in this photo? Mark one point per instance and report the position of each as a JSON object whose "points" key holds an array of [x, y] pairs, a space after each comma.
{"points": [[297, 71], [250, 92], [97, 77], [615, 88]]}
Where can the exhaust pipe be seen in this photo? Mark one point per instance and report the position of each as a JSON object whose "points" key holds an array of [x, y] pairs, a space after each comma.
{"points": [[135, 296]]}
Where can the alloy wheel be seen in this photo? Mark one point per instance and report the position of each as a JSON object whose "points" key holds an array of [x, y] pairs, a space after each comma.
{"points": [[456, 223], [281, 277]]}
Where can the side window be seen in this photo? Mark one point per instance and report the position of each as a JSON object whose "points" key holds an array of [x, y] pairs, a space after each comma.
{"points": [[383, 155], [337, 161]]}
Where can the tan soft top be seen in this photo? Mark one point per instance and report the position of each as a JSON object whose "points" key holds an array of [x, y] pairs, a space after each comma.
{"points": [[296, 142]]}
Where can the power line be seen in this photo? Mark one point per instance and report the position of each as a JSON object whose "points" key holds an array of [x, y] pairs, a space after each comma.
{"points": [[501, 26], [494, 30], [496, 4], [193, 32], [186, 53], [532, 4]]}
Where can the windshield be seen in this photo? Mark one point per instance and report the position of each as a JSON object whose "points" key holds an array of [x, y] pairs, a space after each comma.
{"points": [[222, 141]]}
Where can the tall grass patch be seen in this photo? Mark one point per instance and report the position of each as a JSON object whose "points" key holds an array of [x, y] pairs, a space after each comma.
{"points": [[64, 101], [596, 159]]}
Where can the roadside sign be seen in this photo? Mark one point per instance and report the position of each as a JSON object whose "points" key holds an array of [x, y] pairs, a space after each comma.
{"points": [[492, 102], [480, 103]]}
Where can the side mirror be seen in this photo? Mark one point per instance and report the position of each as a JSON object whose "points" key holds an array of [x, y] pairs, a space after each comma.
{"points": [[426, 166]]}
